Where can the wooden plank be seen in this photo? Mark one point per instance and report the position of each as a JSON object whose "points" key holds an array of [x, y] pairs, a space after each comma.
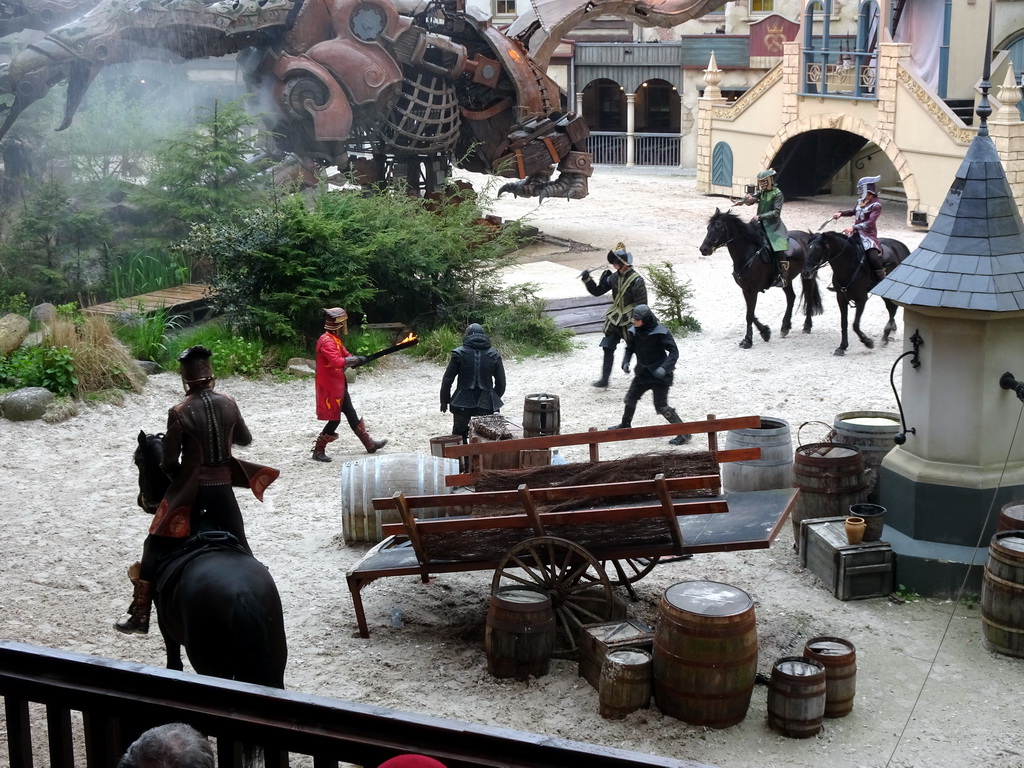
{"points": [[601, 436], [553, 494], [165, 298]]}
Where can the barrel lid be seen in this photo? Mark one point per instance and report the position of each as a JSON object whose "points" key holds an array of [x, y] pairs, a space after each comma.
{"points": [[708, 598], [868, 418], [827, 646], [522, 595], [829, 450], [798, 667], [628, 656], [1012, 540]]}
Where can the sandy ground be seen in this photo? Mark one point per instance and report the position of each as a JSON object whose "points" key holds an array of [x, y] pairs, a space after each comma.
{"points": [[928, 693]]}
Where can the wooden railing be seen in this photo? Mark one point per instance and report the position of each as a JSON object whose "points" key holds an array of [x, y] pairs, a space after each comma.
{"points": [[118, 700]]}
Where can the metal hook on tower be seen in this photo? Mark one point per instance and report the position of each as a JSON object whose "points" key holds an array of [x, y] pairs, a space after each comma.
{"points": [[1008, 381], [901, 437]]}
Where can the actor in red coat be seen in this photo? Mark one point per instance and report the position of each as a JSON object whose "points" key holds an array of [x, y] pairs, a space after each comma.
{"points": [[332, 398]]}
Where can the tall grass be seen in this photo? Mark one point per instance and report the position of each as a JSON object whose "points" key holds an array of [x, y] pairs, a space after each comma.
{"points": [[145, 334], [142, 272], [100, 360]]}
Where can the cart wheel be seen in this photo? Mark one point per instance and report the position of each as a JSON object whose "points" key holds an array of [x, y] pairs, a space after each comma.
{"points": [[629, 570], [580, 590]]}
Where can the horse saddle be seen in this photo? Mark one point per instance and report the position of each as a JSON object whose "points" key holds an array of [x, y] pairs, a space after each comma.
{"points": [[171, 565]]}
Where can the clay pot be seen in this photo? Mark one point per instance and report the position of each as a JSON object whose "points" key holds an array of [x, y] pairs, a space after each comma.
{"points": [[855, 529]]}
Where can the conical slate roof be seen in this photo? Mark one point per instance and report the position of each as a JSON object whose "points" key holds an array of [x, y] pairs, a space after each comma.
{"points": [[973, 255]]}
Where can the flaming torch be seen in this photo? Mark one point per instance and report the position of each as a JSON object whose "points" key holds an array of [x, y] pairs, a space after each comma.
{"points": [[411, 340]]}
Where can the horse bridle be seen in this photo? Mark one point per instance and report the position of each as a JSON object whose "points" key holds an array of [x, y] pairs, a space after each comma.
{"points": [[829, 256]]}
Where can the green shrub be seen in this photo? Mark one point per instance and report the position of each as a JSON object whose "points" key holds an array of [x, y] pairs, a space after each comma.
{"points": [[49, 367], [672, 304], [16, 304], [145, 335], [437, 344], [236, 356]]}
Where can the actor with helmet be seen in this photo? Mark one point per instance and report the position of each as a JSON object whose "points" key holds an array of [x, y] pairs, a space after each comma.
{"points": [[628, 289], [481, 380], [656, 357], [769, 201], [332, 397], [197, 458], [865, 223]]}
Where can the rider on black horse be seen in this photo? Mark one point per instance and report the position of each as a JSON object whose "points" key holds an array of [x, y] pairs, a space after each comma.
{"points": [[864, 231], [200, 430], [769, 201]]}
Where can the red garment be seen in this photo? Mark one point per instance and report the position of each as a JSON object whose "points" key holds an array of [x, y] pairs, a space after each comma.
{"points": [[330, 377]]}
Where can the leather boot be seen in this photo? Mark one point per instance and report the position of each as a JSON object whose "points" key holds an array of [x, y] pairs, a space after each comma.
{"points": [[673, 418], [606, 368], [321, 443], [138, 612], [782, 280], [627, 418], [371, 445]]}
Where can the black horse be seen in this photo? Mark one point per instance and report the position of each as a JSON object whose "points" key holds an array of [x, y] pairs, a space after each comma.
{"points": [[754, 272], [853, 278], [217, 601]]}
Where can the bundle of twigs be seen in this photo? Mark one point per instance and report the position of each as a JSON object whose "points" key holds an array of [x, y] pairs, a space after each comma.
{"points": [[642, 467]]}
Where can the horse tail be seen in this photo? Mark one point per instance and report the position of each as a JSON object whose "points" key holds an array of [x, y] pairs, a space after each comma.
{"points": [[810, 297]]}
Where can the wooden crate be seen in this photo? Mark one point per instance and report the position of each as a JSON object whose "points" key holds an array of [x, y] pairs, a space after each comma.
{"points": [[849, 571], [598, 640]]}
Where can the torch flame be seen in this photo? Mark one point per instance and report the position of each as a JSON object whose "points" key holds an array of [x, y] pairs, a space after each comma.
{"points": [[410, 337]]}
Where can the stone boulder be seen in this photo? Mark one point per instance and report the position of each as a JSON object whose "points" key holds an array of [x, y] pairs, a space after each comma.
{"points": [[13, 331], [27, 404], [43, 313], [301, 367]]}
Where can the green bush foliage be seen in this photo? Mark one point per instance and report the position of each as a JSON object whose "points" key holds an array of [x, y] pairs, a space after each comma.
{"points": [[50, 367], [146, 334], [672, 305]]}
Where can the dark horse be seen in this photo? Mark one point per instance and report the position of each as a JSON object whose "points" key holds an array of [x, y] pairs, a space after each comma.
{"points": [[220, 603], [853, 278], [753, 270]]}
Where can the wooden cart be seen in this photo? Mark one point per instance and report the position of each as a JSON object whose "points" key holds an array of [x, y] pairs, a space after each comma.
{"points": [[577, 555]]}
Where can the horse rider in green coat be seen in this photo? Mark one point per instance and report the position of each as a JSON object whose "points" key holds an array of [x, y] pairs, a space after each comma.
{"points": [[769, 201]]}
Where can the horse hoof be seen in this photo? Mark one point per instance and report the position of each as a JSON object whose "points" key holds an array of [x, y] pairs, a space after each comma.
{"points": [[784, 333], [746, 344], [839, 352], [869, 343], [807, 330], [766, 335]]}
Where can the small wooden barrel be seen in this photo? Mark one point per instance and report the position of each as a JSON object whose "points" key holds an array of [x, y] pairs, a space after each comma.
{"points": [[705, 653], [541, 415], [1002, 594], [839, 658], [796, 697], [1011, 517], [520, 634], [872, 432], [625, 684], [775, 467], [830, 477]]}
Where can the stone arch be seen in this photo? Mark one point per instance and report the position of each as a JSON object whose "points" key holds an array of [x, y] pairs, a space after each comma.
{"points": [[840, 122]]}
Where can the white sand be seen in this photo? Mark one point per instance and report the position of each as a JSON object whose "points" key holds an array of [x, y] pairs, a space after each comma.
{"points": [[928, 693]]}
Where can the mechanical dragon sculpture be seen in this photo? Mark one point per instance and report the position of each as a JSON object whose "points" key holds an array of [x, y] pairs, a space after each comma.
{"points": [[385, 87]]}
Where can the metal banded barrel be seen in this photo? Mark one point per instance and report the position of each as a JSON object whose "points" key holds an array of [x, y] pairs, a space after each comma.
{"points": [[830, 478], [625, 683], [1011, 517], [541, 415], [775, 467], [796, 697], [705, 653], [520, 634], [1002, 594], [839, 658], [872, 432]]}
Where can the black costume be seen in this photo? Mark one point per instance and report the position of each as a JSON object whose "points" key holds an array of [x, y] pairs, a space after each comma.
{"points": [[481, 380], [656, 357], [628, 290]]}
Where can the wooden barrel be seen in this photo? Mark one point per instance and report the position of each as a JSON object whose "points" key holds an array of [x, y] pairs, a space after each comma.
{"points": [[830, 477], [839, 658], [364, 480], [520, 634], [872, 432], [796, 697], [775, 467], [438, 444], [1011, 517], [541, 415], [1002, 594], [625, 684], [705, 653]]}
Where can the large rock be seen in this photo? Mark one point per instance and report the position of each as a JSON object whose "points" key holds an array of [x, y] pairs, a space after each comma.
{"points": [[27, 404], [13, 331], [43, 313]]}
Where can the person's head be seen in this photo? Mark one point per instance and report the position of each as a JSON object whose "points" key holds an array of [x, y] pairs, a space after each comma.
{"points": [[643, 317], [620, 258], [175, 745], [196, 368], [411, 761], [336, 321], [474, 329], [766, 180], [867, 186]]}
